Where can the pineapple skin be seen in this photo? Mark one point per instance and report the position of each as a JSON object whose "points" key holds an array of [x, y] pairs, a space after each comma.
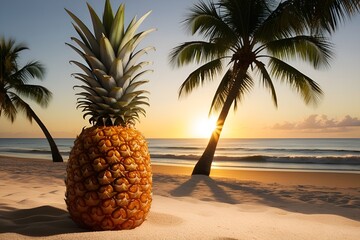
{"points": [[109, 178]]}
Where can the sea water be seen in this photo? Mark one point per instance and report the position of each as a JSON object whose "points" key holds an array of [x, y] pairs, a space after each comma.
{"points": [[330, 154]]}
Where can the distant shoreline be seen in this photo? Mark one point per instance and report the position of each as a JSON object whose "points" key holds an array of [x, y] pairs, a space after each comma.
{"points": [[215, 168], [281, 176]]}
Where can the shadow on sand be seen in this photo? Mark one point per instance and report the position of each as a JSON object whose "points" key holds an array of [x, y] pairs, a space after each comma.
{"points": [[37, 222], [219, 194], [300, 198]]}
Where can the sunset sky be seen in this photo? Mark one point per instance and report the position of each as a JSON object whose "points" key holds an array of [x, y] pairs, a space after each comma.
{"points": [[45, 27]]}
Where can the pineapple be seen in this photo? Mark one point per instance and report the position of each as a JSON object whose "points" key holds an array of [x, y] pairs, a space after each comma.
{"points": [[109, 178]]}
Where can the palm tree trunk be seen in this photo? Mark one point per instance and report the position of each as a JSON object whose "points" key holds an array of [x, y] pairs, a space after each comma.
{"points": [[203, 166], [56, 156]]}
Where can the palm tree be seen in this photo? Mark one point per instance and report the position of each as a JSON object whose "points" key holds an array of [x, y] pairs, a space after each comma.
{"points": [[14, 85], [248, 39]]}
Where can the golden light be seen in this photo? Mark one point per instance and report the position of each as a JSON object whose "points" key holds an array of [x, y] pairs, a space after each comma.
{"points": [[203, 127]]}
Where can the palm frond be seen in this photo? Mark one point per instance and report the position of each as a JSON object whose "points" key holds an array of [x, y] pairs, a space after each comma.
{"points": [[7, 106], [316, 50], [309, 90], [243, 16], [204, 73], [281, 21], [14, 81], [326, 15], [39, 94], [247, 83], [195, 52], [22, 106], [266, 80], [221, 93], [204, 19], [10, 47], [32, 70], [224, 87], [9, 54]]}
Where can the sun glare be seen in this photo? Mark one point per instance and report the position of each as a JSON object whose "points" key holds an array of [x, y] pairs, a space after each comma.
{"points": [[204, 127]]}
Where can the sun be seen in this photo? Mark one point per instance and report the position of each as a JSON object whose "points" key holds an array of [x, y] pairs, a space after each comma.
{"points": [[203, 127]]}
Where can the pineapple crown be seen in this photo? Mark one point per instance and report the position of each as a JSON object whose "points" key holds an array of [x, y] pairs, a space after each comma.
{"points": [[110, 94]]}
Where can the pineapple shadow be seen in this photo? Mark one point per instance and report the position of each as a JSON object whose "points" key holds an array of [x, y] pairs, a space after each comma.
{"points": [[189, 187], [37, 222]]}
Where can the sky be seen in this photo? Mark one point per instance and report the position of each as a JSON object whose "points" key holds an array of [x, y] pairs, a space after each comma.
{"points": [[45, 27]]}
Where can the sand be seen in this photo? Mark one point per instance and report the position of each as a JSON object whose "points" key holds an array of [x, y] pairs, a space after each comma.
{"points": [[244, 204]]}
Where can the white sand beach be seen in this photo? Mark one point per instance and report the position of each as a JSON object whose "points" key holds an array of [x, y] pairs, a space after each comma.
{"points": [[236, 204]]}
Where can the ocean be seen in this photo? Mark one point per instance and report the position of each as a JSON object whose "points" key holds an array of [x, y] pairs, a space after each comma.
{"points": [[283, 154]]}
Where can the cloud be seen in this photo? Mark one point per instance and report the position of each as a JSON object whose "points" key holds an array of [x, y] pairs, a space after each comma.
{"points": [[319, 122], [349, 122]]}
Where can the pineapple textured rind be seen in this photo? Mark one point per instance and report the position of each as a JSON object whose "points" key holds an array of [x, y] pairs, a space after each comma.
{"points": [[109, 179]]}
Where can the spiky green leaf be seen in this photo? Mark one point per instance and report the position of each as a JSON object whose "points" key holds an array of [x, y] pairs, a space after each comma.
{"points": [[117, 28], [108, 17], [95, 63], [110, 80], [116, 92], [87, 33], [107, 54], [133, 26], [88, 80], [98, 26], [82, 67], [117, 71]]}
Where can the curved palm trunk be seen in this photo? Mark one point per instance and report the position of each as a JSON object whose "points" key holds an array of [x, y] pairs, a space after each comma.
{"points": [[203, 166], [56, 156]]}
